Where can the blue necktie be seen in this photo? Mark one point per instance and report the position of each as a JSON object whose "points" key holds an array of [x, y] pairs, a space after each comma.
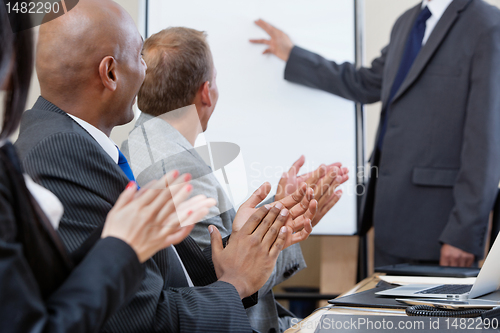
{"points": [[412, 47], [123, 164]]}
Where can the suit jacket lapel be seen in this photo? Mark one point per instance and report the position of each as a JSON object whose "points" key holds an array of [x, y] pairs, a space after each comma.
{"points": [[437, 36], [400, 43]]}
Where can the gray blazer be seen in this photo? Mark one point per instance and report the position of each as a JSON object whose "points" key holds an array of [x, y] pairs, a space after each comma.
{"points": [[440, 163], [168, 150], [60, 155]]}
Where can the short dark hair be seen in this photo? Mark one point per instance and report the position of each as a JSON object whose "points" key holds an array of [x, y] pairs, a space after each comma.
{"points": [[179, 62], [16, 66]]}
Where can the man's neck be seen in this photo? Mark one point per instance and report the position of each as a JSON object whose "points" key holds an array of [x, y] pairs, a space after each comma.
{"points": [[81, 110], [186, 121]]}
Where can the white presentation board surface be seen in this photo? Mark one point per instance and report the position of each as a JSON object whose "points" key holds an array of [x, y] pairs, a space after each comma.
{"points": [[271, 120]]}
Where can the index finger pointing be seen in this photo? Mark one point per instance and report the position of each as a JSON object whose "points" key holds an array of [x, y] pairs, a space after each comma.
{"points": [[265, 26]]}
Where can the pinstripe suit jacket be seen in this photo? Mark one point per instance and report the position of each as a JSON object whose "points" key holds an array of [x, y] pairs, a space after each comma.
{"points": [[167, 150], [59, 154]]}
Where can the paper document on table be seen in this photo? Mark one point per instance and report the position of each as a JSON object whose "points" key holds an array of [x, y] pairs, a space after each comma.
{"points": [[405, 280]]}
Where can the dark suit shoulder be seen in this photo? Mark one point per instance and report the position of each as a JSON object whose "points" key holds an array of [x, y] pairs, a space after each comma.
{"points": [[407, 15], [39, 126], [482, 15]]}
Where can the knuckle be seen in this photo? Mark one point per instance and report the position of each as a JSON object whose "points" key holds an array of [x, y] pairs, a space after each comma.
{"points": [[304, 204], [254, 241]]}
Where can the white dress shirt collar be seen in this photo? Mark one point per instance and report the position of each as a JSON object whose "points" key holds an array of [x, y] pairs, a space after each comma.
{"points": [[437, 9], [102, 139]]}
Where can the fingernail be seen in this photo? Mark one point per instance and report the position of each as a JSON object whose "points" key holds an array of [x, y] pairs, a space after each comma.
{"points": [[175, 174], [338, 179], [189, 187], [210, 229], [130, 185], [267, 207], [187, 177], [283, 229], [279, 205], [284, 212], [339, 192]]}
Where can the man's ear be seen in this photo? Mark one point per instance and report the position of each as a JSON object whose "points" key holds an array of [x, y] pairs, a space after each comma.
{"points": [[206, 99], [107, 73]]}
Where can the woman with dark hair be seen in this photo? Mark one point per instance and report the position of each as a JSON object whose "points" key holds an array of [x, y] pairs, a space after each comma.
{"points": [[41, 287]]}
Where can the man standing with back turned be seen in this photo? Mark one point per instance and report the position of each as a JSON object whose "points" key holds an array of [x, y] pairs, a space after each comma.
{"points": [[437, 145]]}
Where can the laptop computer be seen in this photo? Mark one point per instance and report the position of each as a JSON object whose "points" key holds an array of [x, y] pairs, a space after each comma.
{"points": [[488, 280]]}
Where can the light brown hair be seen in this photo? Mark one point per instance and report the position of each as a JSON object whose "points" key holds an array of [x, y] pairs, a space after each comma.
{"points": [[179, 62]]}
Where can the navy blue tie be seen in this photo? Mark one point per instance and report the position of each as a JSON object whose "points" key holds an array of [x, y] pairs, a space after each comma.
{"points": [[412, 47], [123, 164]]}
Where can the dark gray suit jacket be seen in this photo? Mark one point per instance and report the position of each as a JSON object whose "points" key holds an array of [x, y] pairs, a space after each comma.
{"points": [[59, 154], [440, 163]]}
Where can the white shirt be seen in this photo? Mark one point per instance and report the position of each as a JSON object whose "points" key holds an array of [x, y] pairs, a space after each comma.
{"points": [[47, 201], [102, 139], [112, 150], [437, 9]]}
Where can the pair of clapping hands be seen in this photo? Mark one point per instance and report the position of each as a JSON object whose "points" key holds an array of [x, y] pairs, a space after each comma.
{"points": [[259, 234], [159, 215], [308, 197]]}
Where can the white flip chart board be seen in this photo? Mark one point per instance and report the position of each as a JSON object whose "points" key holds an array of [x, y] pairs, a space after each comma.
{"points": [[274, 121]]}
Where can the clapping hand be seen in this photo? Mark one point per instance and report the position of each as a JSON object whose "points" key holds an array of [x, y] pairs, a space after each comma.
{"points": [[324, 180], [300, 204], [157, 216]]}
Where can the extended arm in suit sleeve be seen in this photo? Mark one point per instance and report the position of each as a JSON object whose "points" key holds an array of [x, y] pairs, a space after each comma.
{"points": [[477, 182], [363, 85]]}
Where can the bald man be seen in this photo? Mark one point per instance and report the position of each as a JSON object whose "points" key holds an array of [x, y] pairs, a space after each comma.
{"points": [[90, 68]]}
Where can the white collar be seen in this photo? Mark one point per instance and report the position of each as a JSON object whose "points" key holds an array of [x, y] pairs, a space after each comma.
{"points": [[102, 139], [436, 7]]}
